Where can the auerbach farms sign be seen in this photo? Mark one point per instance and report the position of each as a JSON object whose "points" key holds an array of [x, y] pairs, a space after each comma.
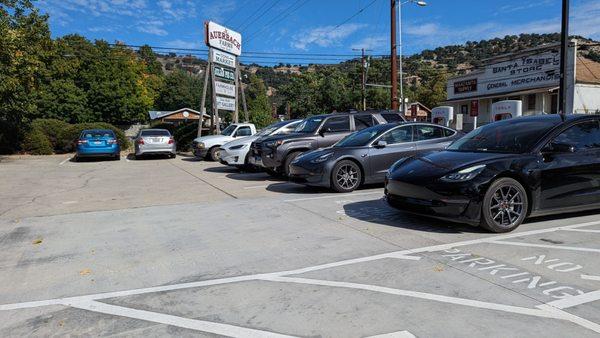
{"points": [[223, 38]]}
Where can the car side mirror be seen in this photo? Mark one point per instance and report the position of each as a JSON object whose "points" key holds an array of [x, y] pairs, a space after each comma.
{"points": [[381, 144], [558, 148]]}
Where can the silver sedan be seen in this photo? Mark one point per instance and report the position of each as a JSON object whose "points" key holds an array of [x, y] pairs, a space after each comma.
{"points": [[154, 141]]}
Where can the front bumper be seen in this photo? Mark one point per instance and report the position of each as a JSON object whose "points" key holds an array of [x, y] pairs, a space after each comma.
{"points": [[316, 176], [456, 204], [235, 157], [200, 152]]}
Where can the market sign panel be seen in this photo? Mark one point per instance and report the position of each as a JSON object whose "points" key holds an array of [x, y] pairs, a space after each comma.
{"points": [[222, 88], [224, 59], [536, 70], [225, 103], [224, 73], [223, 38]]}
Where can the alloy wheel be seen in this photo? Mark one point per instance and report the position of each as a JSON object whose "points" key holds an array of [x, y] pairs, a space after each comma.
{"points": [[347, 177], [506, 206]]}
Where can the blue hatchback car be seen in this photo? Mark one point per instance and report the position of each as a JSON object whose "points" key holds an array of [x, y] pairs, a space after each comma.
{"points": [[98, 143]]}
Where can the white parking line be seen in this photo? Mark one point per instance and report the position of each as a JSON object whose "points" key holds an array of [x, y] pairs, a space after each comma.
{"points": [[65, 161], [584, 230], [572, 248], [590, 277], [576, 300], [399, 334], [192, 324], [334, 196]]}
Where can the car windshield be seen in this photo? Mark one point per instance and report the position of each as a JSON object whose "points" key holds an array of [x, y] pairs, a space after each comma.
{"points": [[309, 125], [229, 130], [155, 133], [361, 138], [269, 130], [509, 136], [97, 134]]}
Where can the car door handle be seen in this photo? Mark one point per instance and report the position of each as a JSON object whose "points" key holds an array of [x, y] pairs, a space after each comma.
{"points": [[364, 155]]}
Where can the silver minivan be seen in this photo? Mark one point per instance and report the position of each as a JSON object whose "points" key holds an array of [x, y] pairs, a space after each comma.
{"points": [[154, 142]]}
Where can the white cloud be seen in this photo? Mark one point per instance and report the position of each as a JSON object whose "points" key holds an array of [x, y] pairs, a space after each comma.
{"points": [[324, 36], [217, 11], [423, 30], [154, 27], [372, 42]]}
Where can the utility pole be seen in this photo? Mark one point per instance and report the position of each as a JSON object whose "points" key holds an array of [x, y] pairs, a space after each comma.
{"points": [[364, 76], [564, 54], [393, 57]]}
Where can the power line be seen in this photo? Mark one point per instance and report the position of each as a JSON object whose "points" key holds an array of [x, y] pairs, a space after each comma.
{"points": [[277, 19], [261, 15], [253, 13]]}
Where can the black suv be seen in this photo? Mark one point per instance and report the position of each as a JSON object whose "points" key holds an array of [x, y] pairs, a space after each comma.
{"points": [[275, 153]]}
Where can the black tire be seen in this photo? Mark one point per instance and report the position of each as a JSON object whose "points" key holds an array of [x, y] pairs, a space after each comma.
{"points": [[76, 159], [288, 160], [273, 172], [173, 155], [137, 157], [346, 176], [504, 206], [214, 153]]}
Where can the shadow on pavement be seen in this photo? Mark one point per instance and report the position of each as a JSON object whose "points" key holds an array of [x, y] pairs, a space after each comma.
{"points": [[288, 187], [562, 216], [222, 169], [377, 211]]}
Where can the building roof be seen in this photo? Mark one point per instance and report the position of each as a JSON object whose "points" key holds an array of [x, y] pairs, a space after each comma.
{"points": [[588, 71], [155, 114]]}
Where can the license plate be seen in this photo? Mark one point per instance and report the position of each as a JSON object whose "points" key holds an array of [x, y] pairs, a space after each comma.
{"points": [[98, 143], [156, 140]]}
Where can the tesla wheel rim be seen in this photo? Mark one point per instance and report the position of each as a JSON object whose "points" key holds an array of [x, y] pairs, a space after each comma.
{"points": [[506, 206], [347, 176]]}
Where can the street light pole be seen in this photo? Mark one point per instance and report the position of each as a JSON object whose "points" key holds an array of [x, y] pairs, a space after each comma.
{"points": [[564, 54], [400, 66], [363, 66], [393, 57]]}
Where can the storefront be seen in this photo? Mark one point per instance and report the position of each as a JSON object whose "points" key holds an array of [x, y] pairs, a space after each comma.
{"points": [[531, 77]]}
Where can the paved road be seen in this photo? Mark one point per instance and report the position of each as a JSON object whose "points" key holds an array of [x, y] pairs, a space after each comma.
{"points": [[185, 248]]}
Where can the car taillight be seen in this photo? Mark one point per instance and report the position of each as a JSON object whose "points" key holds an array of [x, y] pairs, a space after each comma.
{"points": [[112, 141], [140, 141], [171, 140], [81, 141]]}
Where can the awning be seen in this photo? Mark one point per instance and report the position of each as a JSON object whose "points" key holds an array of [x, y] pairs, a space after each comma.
{"points": [[493, 96]]}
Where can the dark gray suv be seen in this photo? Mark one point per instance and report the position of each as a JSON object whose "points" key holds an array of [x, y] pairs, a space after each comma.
{"points": [[275, 153]]}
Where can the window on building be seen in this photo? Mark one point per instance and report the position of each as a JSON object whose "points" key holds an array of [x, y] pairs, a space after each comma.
{"points": [[531, 101], [553, 104], [464, 109]]}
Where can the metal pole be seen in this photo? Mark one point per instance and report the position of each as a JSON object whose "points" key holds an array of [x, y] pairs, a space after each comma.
{"points": [[203, 104], [215, 125], [564, 54], [246, 117], [393, 58], [362, 71], [400, 58]]}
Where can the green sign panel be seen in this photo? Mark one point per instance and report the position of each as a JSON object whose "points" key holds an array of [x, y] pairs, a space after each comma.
{"points": [[224, 73]]}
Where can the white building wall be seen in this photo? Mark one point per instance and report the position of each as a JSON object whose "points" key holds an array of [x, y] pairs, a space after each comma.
{"points": [[586, 99]]}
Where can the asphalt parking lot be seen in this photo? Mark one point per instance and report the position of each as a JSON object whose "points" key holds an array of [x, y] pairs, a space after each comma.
{"points": [[189, 248]]}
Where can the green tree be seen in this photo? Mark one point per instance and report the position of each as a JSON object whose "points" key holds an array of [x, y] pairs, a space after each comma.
{"points": [[25, 49], [180, 90], [258, 102]]}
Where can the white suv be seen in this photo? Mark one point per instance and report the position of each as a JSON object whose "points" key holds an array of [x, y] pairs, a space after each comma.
{"points": [[208, 146]]}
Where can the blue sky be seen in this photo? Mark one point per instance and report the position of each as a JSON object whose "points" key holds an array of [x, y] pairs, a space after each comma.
{"points": [[309, 26]]}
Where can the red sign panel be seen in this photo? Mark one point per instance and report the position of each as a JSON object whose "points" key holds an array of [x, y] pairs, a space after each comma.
{"points": [[413, 110], [474, 108]]}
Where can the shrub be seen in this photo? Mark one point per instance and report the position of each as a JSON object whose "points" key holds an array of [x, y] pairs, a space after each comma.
{"points": [[54, 130], [36, 142], [184, 135]]}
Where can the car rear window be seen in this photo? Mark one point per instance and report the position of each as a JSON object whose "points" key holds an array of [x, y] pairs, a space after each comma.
{"points": [[155, 133], [391, 117], [97, 134]]}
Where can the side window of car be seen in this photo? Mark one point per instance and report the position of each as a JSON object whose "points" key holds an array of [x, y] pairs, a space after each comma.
{"points": [[398, 135], [392, 117], [423, 133], [363, 121], [337, 124], [243, 131], [581, 136], [448, 132]]}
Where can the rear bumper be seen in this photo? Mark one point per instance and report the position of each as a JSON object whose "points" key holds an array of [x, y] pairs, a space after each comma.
{"points": [[145, 150], [451, 206], [99, 151]]}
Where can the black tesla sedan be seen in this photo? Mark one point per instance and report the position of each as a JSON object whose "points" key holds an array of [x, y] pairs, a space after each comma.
{"points": [[366, 155], [503, 172]]}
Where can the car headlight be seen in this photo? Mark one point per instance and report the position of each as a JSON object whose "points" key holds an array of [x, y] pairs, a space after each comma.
{"points": [[274, 144], [465, 174], [200, 145], [239, 146], [322, 158]]}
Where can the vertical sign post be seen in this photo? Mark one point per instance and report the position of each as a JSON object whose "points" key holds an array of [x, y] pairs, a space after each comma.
{"points": [[225, 46], [475, 112]]}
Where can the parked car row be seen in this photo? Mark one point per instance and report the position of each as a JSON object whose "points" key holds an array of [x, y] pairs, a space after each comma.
{"points": [[495, 176]]}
